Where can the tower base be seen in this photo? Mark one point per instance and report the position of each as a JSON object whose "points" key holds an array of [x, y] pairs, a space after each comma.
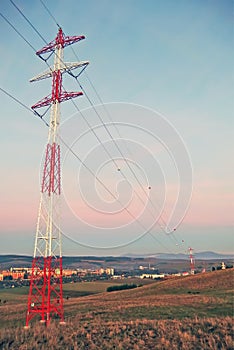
{"points": [[45, 297]]}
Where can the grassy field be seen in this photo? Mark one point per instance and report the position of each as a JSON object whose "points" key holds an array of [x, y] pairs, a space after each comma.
{"points": [[14, 300], [194, 312], [19, 294]]}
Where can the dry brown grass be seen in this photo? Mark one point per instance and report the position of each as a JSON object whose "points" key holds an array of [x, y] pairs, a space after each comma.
{"points": [[150, 317], [189, 334]]}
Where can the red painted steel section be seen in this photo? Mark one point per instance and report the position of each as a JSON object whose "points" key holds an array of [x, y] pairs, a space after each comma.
{"points": [[51, 181], [46, 101], [60, 39], [45, 293], [44, 178], [52, 169], [192, 262], [57, 94], [56, 86]]}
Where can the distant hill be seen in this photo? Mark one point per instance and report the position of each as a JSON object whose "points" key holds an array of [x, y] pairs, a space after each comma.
{"points": [[7, 261], [92, 262], [168, 263], [218, 280], [207, 255]]}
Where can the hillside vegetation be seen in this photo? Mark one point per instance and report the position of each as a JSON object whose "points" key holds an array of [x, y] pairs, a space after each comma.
{"points": [[193, 312]]}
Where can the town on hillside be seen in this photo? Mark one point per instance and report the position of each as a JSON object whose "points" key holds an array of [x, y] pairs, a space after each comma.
{"points": [[20, 276]]}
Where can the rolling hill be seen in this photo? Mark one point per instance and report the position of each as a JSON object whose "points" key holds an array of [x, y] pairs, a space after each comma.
{"points": [[164, 263], [193, 312]]}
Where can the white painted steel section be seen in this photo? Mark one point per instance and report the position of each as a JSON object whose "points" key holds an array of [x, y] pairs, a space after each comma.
{"points": [[66, 67]]}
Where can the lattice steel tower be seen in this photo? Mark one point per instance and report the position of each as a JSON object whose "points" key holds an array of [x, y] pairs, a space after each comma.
{"points": [[45, 294], [192, 261]]}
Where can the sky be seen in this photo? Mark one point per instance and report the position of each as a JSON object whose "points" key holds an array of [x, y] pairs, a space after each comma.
{"points": [[164, 71]]}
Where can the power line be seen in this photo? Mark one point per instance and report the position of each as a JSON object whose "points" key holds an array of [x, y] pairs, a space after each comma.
{"points": [[50, 14], [114, 196], [15, 99], [101, 102], [89, 125], [107, 130], [13, 27], [73, 101], [109, 133], [92, 105], [26, 19], [23, 105], [121, 153], [147, 231], [96, 135], [171, 232]]}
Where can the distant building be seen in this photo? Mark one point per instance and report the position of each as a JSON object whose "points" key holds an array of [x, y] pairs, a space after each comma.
{"points": [[17, 275], [110, 271], [115, 277], [6, 273], [107, 271], [67, 272], [187, 273], [152, 275], [20, 269]]}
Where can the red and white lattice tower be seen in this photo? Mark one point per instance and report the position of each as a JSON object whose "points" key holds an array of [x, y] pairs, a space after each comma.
{"points": [[192, 261], [45, 294]]}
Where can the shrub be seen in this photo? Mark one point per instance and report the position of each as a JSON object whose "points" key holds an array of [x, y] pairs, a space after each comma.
{"points": [[121, 287]]}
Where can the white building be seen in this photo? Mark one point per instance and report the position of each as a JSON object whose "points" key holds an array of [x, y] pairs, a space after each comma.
{"points": [[152, 275]]}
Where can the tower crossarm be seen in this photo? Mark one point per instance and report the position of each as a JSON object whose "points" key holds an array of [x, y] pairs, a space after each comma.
{"points": [[48, 100], [60, 39], [66, 68]]}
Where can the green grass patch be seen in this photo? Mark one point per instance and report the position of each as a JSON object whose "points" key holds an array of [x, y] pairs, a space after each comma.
{"points": [[73, 290], [13, 295], [172, 312]]}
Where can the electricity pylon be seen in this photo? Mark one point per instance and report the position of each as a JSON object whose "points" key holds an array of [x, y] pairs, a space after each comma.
{"points": [[45, 294], [192, 261]]}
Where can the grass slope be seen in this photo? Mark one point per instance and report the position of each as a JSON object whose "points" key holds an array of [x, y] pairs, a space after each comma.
{"points": [[193, 312], [199, 295]]}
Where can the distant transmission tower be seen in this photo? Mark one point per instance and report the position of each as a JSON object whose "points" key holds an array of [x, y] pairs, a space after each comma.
{"points": [[192, 261], [45, 294]]}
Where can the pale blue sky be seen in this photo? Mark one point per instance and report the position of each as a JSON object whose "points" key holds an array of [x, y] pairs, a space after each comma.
{"points": [[175, 57]]}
